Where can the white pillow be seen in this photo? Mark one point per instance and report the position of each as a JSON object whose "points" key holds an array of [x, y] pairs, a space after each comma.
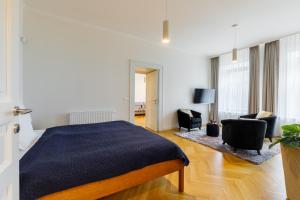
{"points": [[26, 135], [187, 111], [263, 114]]}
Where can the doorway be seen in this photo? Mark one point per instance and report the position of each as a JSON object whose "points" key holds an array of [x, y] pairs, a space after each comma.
{"points": [[145, 98], [140, 99]]}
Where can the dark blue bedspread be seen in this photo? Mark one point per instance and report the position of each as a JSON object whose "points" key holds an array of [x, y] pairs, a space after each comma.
{"points": [[70, 156]]}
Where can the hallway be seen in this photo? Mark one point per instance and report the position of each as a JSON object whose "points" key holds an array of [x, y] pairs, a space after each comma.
{"points": [[139, 120]]}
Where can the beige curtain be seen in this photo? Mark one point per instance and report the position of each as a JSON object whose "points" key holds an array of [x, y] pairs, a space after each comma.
{"points": [[214, 85], [270, 77], [254, 76]]}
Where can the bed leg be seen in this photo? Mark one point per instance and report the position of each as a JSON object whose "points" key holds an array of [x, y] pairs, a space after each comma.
{"points": [[181, 180]]}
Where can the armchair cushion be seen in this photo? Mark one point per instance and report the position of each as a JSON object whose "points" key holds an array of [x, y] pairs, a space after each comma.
{"points": [[251, 116], [196, 114]]}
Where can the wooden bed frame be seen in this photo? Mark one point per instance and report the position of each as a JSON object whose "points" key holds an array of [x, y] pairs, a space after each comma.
{"points": [[116, 184]]}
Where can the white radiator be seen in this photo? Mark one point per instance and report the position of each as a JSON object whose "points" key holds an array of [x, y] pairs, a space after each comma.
{"points": [[89, 117]]}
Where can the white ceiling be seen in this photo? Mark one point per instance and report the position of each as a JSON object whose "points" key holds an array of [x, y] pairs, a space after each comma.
{"points": [[196, 26]]}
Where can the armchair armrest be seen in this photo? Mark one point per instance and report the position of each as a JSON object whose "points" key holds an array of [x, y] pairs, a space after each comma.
{"points": [[184, 119], [251, 116], [183, 115], [269, 119], [271, 122], [243, 121], [196, 114], [248, 126]]}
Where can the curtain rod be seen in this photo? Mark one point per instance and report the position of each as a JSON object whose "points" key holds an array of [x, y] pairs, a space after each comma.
{"points": [[257, 44]]}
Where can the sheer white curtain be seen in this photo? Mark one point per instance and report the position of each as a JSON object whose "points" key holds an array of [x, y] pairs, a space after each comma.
{"points": [[233, 85], [289, 80]]}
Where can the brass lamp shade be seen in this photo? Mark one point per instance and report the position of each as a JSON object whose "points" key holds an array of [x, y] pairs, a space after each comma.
{"points": [[166, 38], [234, 55]]}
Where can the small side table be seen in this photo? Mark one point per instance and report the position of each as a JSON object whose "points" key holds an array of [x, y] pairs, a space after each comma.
{"points": [[212, 130]]}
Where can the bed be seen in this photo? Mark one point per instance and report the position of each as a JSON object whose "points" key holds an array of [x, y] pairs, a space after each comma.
{"points": [[96, 160], [140, 108]]}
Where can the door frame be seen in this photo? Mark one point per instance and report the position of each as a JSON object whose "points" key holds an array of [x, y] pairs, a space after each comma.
{"points": [[133, 64], [11, 20]]}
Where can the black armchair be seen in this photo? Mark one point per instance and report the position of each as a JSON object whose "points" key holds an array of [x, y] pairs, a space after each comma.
{"points": [[189, 122], [271, 122], [244, 134]]}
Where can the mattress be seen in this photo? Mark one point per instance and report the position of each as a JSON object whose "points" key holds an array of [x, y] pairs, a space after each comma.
{"points": [[69, 156]]}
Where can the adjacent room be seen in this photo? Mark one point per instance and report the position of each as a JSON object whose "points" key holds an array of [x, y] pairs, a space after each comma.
{"points": [[149, 99], [146, 97], [140, 99]]}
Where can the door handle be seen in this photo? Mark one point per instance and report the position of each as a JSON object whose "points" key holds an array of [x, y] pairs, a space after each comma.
{"points": [[21, 111], [16, 128]]}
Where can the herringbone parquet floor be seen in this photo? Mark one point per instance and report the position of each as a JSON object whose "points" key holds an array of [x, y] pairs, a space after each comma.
{"points": [[214, 176]]}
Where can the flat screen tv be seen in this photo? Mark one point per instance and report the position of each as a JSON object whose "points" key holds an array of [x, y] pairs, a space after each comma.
{"points": [[205, 96]]}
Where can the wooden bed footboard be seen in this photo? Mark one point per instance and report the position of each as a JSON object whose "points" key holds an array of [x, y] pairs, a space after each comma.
{"points": [[116, 184]]}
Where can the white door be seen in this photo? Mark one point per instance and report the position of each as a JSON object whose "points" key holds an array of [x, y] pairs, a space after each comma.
{"points": [[152, 100], [10, 60]]}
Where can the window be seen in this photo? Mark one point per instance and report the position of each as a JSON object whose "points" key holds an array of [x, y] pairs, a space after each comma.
{"points": [[233, 85], [289, 81]]}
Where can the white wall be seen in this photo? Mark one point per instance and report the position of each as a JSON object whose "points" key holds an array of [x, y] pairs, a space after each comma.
{"points": [[140, 88], [70, 66]]}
